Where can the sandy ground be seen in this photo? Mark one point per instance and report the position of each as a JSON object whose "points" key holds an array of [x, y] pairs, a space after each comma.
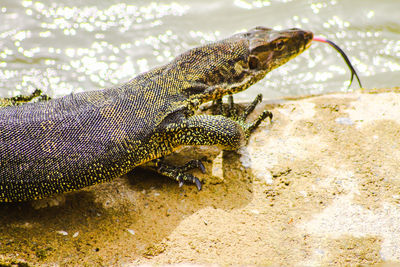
{"points": [[318, 186]]}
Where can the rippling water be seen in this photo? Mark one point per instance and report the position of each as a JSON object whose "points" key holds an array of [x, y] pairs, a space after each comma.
{"points": [[70, 46]]}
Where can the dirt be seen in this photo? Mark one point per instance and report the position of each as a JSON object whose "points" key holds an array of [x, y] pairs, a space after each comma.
{"points": [[318, 186]]}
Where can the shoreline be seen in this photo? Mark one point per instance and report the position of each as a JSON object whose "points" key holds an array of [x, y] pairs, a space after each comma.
{"points": [[318, 186]]}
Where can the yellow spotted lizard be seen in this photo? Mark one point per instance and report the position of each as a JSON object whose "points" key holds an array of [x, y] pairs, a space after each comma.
{"points": [[64, 144]]}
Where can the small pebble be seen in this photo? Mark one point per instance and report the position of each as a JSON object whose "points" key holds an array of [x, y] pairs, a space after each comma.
{"points": [[268, 178], [255, 212], [345, 121], [132, 232], [62, 232], [303, 193], [75, 234]]}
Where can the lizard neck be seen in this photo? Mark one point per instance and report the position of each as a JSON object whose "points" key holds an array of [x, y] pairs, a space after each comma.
{"points": [[217, 92]]}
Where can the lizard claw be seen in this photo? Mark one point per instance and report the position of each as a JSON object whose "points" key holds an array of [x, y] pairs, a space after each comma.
{"points": [[179, 173], [180, 179], [192, 179], [202, 168], [196, 163], [198, 183]]}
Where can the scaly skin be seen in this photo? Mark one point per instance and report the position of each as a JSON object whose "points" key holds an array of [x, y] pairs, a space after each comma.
{"points": [[81, 139]]}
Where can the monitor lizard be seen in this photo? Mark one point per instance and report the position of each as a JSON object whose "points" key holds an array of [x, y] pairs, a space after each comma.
{"points": [[64, 144]]}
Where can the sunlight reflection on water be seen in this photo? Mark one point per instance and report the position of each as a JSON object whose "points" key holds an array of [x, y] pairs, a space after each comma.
{"points": [[71, 46]]}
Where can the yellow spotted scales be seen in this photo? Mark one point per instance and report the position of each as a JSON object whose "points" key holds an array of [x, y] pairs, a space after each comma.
{"points": [[64, 144]]}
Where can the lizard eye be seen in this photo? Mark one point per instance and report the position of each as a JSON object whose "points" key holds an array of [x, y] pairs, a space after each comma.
{"points": [[279, 45], [253, 62]]}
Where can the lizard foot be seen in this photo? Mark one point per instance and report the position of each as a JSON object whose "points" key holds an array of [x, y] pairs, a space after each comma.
{"points": [[232, 112], [22, 99], [179, 174]]}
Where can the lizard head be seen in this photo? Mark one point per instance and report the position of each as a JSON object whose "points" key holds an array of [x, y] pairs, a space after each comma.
{"points": [[269, 49], [233, 64]]}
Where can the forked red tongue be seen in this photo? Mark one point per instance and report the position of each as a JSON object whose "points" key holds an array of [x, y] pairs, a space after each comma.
{"points": [[319, 39], [353, 71]]}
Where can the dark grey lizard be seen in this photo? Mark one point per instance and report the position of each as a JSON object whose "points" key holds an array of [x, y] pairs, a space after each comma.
{"points": [[81, 139]]}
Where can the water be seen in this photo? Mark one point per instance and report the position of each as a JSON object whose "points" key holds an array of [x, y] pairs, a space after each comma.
{"points": [[70, 46]]}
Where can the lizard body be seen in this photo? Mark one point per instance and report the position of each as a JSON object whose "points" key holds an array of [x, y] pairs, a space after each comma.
{"points": [[81, 139]]}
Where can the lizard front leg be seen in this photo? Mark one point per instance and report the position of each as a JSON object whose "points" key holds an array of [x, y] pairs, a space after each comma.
{"points": [[227, 133], [22, 99], [211, 130], [197, 130]]}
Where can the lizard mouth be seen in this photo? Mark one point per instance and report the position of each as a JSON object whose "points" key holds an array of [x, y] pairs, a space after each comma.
{"points": [[308, 44], [307, 37]]}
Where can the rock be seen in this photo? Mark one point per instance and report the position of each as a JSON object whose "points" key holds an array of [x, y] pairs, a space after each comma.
{"points": [[318, 186]]}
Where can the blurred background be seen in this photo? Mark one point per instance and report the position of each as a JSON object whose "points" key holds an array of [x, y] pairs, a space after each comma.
{"points": [[69, 46]]}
